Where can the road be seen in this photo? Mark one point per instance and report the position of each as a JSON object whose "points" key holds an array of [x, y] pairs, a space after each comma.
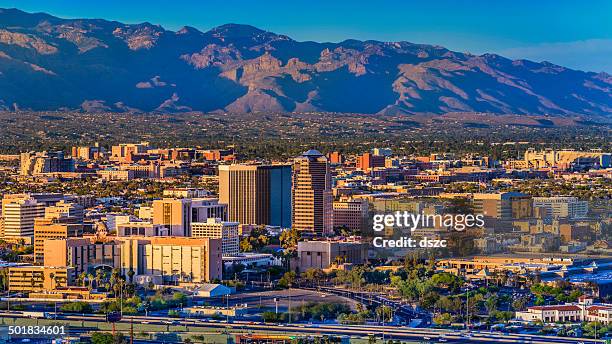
{"points": [[387, 332]]}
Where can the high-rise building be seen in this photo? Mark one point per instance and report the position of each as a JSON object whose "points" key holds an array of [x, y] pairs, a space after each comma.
{"points": [[53, 228], [19, 212], [173, 213], [312, 194], [257, 194], [217, 229]]}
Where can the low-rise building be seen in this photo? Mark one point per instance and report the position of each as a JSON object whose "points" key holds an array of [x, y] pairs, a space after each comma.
{"points": [[322, 254], [32, 278]]}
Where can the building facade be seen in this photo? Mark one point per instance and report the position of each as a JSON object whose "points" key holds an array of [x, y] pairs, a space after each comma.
{"points": [[312, 194]]}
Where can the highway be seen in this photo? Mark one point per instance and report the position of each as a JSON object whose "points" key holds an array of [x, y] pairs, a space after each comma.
{"points": [[389, 332]]}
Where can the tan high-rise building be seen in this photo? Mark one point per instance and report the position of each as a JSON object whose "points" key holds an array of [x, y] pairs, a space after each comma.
{"points": [[312, 194], [19, 212], [174, 214], [257, 194], [53, 228]]}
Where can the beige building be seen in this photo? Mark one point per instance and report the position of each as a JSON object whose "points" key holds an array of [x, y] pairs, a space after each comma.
{"points": [[19, 212], [174, 213], [169, 259], [53, 228], [217, 229], [562, 158], [141, 228], [63, 209], [83, 254], [322, 254], [116, 175], [206, 208], [561, 207], [312, 194], [503, 205], [173, 259], [123, 152], [32, 278]]}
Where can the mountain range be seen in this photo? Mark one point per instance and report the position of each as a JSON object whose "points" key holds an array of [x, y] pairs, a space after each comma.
{"points": [[50, 63]]}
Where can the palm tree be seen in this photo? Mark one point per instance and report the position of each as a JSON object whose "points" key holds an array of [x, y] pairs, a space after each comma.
{"points": [[90, 279], [52, 276]]}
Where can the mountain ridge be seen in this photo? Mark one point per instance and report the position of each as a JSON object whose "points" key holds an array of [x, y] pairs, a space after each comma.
{"points": [[50, 63]]}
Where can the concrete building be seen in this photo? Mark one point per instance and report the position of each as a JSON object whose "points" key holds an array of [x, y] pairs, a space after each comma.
{"points": [[175, 214], [87, 153], [351, 214], [369, 161], [82, 254], [186, 193], [169, 260], [207, 208], [115, 175], [174, 259], [503, 205], [141, 228], [30, 278], [563, 158], [218, 229], [561, 207], [322, 254], [312, 194], [53, 228], [63, 209], [124, 151], [19, 212], [257, 194], [34, 163]]}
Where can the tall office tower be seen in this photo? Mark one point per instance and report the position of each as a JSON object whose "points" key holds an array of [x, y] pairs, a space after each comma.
{"points": [[174, 214], [19, 214], [312, 194], [257, 194], [217, 229]]}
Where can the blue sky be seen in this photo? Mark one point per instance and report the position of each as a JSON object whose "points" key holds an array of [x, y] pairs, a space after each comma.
{"points": [[576, 34]]}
